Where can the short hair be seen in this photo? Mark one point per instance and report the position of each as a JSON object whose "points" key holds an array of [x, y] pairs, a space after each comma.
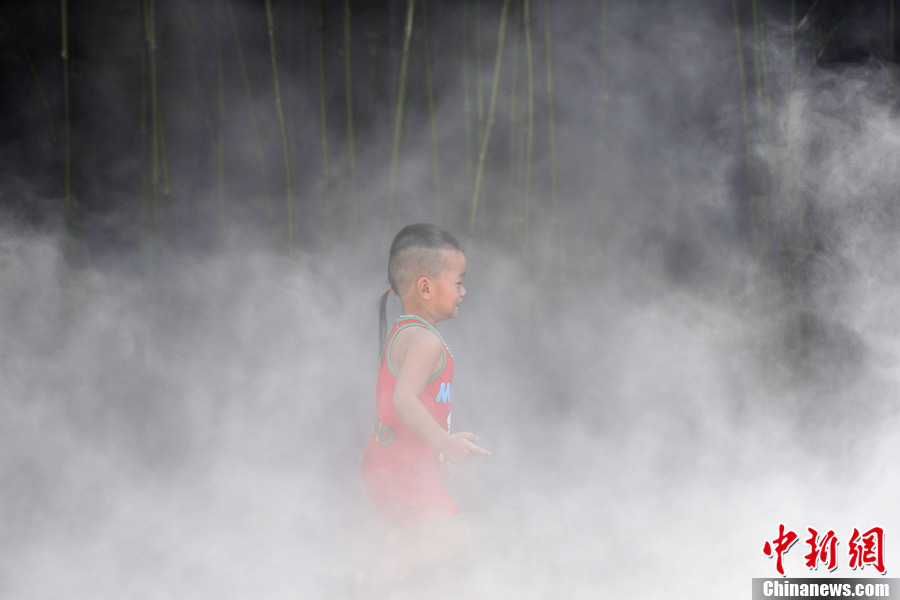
{"points": [[418, 250]]}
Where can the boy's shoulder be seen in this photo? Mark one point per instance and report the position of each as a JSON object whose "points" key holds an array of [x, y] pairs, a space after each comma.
{"points": [[418, 337], [420, 344]]}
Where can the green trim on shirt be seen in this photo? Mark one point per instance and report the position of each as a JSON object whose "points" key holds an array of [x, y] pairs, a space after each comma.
{"points": [[424, 326]]}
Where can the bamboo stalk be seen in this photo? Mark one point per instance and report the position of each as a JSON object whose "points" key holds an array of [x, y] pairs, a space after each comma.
{"points": [[792, 87], [220, 113], [795, 213], [288, 184], [67, 127], [793, 37], [745, 113], [548, 47], [760, 66], [254, 121], [757, 70], [891, 16], [208, 118], [348, 102], [77, 250], [478, 87], [323, 115], [529, 129], [485, 138], [320, 63], [145, 153], [154, 113], [432, 117], [514, 134], [467, 103], [32, 70], [159, 130], [801, 245], [401, 97], [764, 121], [604, 94], [163, 156], [742, 79]]}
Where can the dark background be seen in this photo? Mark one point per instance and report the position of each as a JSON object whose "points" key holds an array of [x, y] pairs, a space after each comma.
{"points": [[109, 86]]}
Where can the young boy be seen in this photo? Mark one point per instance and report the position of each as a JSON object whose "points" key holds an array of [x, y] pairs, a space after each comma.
{"points": [[403, 464]]}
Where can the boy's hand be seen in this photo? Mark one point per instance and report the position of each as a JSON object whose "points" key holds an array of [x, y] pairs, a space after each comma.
{"points": [[460, 447]]}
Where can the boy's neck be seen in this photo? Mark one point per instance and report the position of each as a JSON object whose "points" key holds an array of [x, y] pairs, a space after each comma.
{"points": [[417, 310]]}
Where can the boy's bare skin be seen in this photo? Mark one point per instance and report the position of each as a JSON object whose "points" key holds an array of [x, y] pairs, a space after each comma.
{"points": [[417, 354]]}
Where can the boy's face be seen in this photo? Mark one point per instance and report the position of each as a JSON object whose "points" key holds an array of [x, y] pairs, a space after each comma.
{"points": [[448, 287]]}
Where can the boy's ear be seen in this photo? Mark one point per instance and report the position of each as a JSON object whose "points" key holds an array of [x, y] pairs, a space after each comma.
{"points": [[423, 287]]}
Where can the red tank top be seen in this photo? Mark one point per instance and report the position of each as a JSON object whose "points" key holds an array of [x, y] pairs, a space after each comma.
{"points": [[393, 443]]}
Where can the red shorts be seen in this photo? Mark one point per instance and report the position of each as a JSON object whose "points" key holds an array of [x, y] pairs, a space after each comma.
{"points": [[407, 498]]}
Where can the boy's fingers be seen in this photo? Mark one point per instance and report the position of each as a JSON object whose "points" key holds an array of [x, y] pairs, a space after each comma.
{"points": [[479, 450], [468, 435]]}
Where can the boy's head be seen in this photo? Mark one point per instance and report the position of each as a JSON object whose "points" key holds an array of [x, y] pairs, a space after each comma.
{"points": [[418, 250], [421, 251]]}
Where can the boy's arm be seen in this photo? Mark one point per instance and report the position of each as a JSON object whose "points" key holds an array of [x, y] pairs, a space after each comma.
{"points": [[418, 358]]}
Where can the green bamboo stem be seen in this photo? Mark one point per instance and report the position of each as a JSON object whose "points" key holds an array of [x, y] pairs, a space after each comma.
{"points": [[32, 70], [160, 125], [485, 138], [801, 241], [288, 184], [401, 97], [793, 38], [163, 156], [757, 63], [323, 114], [760, 66], [479, 95], [529, 129], [745, 115], [742, 78], [154, 100], [254, 121], [792, 87], [467, 102], [764, 120], [432, 117], [604, 95], [145, 151], [320, 64], [348, 103], [67, 127], [187, 13], [220, 113], [891, 16], [154, 112], [514, 134], [791, 184], [551, 109]]}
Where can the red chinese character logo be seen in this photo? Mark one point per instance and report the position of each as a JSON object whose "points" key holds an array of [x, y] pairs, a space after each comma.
{"points": [[822, 550], [782, 543], [870, 551]]}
